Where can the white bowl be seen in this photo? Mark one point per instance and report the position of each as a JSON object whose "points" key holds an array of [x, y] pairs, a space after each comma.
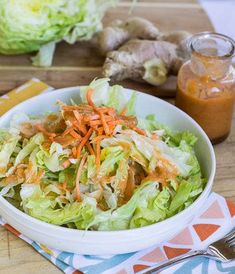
{"points": [[112, 242]]}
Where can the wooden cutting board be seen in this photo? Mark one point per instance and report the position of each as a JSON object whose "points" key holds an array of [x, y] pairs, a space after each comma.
{"points": [[80, 63]]}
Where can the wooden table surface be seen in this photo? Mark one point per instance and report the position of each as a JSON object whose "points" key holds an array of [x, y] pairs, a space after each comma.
{"points": [[85, 64]]}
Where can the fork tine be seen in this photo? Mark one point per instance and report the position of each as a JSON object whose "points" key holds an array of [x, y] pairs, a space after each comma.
{"points": [[231, 240], [232, 245], [230, 236]]}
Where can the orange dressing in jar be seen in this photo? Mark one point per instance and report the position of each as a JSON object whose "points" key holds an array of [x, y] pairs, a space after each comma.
{"points": [[206, 84]]}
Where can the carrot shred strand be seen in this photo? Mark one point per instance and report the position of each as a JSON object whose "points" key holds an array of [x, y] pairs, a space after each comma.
{"points": [[40, 128], [78, 192], [89, 94], [83, 142], [75, 135], [124, 111], [74, 151], [97, 159], [90, 148], [139, 130]]}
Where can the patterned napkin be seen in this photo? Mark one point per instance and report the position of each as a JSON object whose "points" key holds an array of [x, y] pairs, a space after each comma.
{"points": [[212, 222]]}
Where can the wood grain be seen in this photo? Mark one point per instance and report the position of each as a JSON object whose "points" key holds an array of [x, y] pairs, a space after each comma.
{"points": [[79, 64]]}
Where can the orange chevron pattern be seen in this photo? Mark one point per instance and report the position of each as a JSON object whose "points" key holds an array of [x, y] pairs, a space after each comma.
{"points": [[139, 267], [174, 252], [231, 207], [205, 230]]}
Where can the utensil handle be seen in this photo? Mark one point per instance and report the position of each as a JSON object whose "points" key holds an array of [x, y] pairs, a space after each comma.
{"points": [[172, 261]]}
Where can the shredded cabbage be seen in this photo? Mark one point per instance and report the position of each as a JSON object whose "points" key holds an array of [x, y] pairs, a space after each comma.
{"points": [[36, 25]]}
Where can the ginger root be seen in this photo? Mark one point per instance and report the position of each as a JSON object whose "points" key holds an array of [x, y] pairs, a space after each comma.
{"points": [[178, 38], [143, 60], [119, 32], [137, 50]]}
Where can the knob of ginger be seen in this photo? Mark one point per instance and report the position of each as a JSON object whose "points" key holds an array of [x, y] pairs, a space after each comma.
{"points": [[135, 49], [143, 60], [119, 32]]}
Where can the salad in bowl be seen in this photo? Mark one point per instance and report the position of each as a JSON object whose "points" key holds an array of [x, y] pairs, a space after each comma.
{"points": [[95, 165]]}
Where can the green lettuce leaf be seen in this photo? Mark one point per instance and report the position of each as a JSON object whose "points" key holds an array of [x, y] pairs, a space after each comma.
{"points": [[33, 143], [110, 157], [116, 98], [120, 218], [16, 120], [150, 149], [100, 94], [42, 207], [45, 55], [173, 138], [68, 175], [105, 95], [52, 158], [30, 25], [91, 166], [131, 104], [182, 195], [8, 144], [151, 209]]}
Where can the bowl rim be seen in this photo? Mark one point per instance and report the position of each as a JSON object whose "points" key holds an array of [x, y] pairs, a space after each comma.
{"points": [[165, 222]]}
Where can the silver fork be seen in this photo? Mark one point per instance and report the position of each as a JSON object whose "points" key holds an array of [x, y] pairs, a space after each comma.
{"points": [[222, 250]]}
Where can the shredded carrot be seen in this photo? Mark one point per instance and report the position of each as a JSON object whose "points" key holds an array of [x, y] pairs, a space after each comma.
{"points": [[80, 127], [66, 164], [106, 128], [124, 111], [95, 123], [67, 131], [89, 99], [112, 127], [63, 186], [98, 138], [78, 192], [75, 135], [77, 115], [90, 149], [97, 159], [83, 142], [51, 138], [155, 136], [94, 127], [115, 122], [74, 151], [139, 130], [65, 141], [78, 107], [39, 127], [99, 122], [105, 110], [100, 130], [100, 111], [69, 108], [91, 117]]}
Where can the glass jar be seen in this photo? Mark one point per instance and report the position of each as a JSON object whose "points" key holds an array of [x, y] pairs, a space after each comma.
{"points": [[206, 84]]}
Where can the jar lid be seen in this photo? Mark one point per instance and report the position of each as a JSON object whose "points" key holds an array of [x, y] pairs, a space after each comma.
{"points": [[212, 44]]}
